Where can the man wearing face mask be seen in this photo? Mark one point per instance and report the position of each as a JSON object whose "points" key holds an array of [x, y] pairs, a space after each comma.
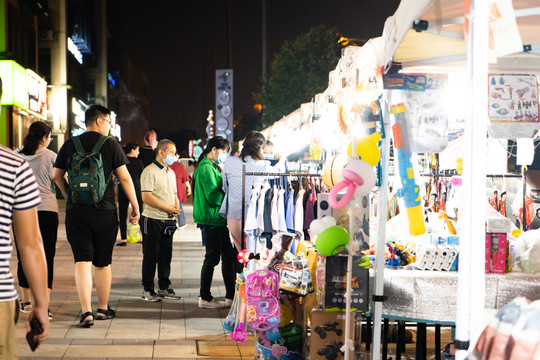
{"points": [[158, 224]]}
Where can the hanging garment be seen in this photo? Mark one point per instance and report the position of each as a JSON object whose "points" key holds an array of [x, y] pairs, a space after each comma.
{"points": [[289, 211], [267, 216], [250, 226], [282, 223], [260, 209], [274, 210], [308, 211]]}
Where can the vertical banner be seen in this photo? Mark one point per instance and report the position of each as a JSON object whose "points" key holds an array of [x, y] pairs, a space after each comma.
{"points": [[224, 104]]}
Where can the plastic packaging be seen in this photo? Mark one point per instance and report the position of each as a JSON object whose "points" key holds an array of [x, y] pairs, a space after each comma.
{"points": [[133, 233]]}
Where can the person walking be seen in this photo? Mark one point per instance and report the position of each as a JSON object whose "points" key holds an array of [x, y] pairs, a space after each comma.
{"points": [[147, 154], [41, 162], [208, 195], [135, 168], [183, 190], [158, 187], [19, 201], [92, 228]]}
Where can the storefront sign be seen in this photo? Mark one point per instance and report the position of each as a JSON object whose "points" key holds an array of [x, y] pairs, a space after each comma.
{"points": [[78, 108], [72, 48], [37, 94], [14, 84]]}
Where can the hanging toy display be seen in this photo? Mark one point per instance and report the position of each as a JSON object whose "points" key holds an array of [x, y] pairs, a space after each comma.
{"points": [[367, 148], [332, 170], [358, 176], [410, 192], [262, 294], [239, 333]]}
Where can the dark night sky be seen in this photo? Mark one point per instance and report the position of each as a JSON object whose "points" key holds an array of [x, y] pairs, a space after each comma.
{"points": [[168, 52]]}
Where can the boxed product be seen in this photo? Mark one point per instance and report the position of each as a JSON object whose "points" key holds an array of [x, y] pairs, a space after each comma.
{"points": [[495, 253], [336, 283], [498, 225], [328, 335]]}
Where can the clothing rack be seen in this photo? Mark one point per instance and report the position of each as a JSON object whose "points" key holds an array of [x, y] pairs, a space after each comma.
{"points": [[265, 174]]}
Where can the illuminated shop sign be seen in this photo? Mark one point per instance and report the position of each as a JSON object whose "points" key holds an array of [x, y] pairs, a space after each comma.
{"points": [[78, 108], [37, 94], [14, 84], [72, 48]]}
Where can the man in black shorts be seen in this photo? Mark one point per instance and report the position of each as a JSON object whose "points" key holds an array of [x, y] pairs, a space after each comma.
{"points": [[91, 228]]}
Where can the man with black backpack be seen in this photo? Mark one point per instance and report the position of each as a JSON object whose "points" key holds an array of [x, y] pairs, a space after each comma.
{"points": [[91, 218]]}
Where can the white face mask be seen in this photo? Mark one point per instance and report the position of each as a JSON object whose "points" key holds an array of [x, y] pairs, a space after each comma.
{"points": [[169, 160], [221, 158]]}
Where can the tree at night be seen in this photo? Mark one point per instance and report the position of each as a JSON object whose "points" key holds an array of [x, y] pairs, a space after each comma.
{"points": [[298, 72]]}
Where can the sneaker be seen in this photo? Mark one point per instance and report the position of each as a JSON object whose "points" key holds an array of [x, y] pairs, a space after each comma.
{"points": [[50, 314], [168, 294], [150, 296], [228, 303], [26, 307], [212, 304]]}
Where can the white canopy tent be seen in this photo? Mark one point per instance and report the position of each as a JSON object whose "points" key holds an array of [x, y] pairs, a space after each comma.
{"points": [[442, 46]]}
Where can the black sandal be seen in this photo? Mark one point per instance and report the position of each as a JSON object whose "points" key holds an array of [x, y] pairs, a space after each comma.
{"points": [[86, 323], [107, 314]]}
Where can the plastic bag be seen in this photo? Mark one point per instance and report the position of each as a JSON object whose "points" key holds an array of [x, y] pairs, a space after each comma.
{"points": [[133, 233]]}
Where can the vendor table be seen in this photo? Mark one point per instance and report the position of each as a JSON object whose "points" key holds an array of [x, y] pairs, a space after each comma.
{"points": [[430, 296]]}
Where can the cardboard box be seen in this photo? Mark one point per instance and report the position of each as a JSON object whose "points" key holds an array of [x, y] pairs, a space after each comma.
{"points": [[328, 335], [495, 253]]}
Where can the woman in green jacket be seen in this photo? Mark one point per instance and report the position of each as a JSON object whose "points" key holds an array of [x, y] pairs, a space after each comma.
{"points": [[207, 198]]}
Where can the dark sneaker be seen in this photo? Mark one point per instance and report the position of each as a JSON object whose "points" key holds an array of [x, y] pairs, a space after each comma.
{"points": [[150, 296], [168, 294]]}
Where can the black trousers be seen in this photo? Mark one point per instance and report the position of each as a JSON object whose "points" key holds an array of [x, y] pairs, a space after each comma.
{"points": [[218, 245], [157, 239], [48, 226]]}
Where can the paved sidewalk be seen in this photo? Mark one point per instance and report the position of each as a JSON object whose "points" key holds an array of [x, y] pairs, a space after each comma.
{"points": [[141, 330]]}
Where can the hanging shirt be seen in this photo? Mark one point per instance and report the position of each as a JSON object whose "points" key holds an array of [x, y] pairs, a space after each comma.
{"points": [[308, 213], [260, 209], [282, 223], [289, 211], [250, 226], [274, 210]]}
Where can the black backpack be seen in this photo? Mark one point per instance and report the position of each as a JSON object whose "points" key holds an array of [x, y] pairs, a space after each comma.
{"points": [[86, 176]]}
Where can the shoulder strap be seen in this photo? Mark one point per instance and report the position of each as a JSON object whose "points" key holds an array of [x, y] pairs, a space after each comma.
{"points": [[99, 144], [78, 145]]}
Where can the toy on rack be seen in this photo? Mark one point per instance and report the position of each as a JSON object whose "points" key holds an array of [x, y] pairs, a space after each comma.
{"points": [[410, 192], [262, 294], [244, 256], [239, 333], [358, 176], [399, 255]]}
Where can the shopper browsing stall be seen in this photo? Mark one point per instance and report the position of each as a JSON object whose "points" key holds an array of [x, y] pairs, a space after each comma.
{"points": [[208, 196]]}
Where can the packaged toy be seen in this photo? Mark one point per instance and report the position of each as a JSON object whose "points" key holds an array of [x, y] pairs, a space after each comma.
{"points": [[262, 294]]}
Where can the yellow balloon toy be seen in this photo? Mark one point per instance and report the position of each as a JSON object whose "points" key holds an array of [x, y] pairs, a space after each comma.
{"points": [[367, 148]]}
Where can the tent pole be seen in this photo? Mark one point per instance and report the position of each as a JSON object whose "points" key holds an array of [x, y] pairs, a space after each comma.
{"points": [[471, 282], [381, 236]]}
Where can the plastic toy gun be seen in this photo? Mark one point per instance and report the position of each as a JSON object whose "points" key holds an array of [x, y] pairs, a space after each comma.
{"points": [[409, 191]]}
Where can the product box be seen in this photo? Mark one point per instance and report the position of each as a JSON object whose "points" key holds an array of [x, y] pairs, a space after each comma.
{"points": [[495, 253], [328, 335], [498, 225], [336, 283]]}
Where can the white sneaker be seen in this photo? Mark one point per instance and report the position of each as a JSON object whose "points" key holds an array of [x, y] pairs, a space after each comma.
{"points": [[228, 303], [213, 304]]}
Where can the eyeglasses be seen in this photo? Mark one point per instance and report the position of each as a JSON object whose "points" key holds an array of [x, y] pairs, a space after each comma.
{"points": [[107, 120]]}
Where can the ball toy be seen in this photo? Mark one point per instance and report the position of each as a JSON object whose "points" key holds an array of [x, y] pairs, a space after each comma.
{"points": [[329, 221], [367, 148], [332, 170], [330, 239], [292, 336]]}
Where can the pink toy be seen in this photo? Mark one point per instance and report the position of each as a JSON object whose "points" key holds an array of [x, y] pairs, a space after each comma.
{"points": [[244, 256], [358, 174], [239, 334], [262, 293]]}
